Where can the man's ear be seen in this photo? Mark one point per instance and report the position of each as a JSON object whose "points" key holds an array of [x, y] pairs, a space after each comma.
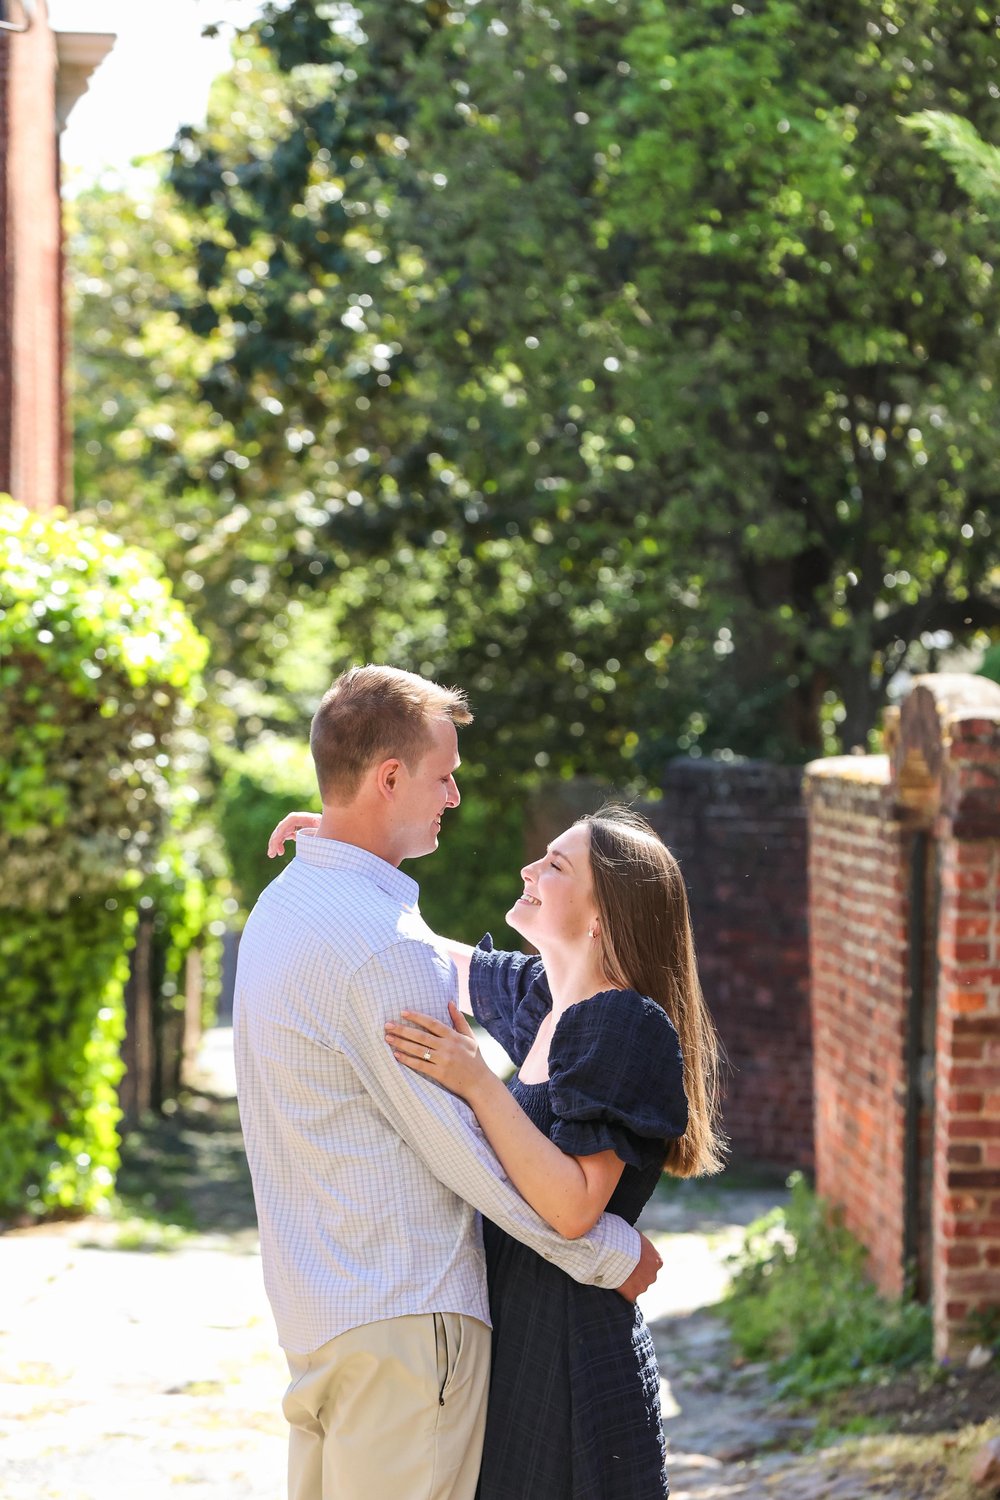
{"points": [[387, 778]]}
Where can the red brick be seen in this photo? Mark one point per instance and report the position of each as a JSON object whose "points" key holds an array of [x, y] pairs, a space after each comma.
{"points": [[969, 1156], [973, 1127], [984, 1229], [986, 1027], [968, 1076], [975, 1283], [972, 952], [966, 1002], [974, 976], [972, 927], [962, 1255]]}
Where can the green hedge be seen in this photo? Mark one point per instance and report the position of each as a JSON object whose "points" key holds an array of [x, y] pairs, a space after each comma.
{"points": [[98, 665], [260, 784]]}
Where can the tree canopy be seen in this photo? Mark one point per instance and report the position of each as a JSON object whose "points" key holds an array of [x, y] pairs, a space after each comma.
{"points": [[633, 365]]}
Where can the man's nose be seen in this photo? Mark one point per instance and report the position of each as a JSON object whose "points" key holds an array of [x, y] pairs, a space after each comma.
{"points": [[454, 795]]}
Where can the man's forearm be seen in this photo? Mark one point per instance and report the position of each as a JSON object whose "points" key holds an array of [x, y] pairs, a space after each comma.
{"points": [[440, 1129]]}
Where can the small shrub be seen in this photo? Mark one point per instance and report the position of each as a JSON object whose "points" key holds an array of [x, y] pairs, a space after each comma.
{"points": [[800, 1299]]}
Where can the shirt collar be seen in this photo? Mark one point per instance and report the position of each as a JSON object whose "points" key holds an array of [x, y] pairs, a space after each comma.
{"points": [[331, 854]]}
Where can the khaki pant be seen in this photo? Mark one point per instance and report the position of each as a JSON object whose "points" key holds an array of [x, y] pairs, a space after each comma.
{"points": [[394, 1410]]}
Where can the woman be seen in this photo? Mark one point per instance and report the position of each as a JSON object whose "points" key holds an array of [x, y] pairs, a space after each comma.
{"points": [[616, 1082]]}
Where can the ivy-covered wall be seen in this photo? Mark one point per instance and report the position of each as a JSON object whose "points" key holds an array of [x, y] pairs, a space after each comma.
{"points": [[98, 672]]}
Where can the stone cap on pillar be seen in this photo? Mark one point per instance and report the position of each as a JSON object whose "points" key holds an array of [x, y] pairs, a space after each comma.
{"points": [[78, 53], [945, 750]]}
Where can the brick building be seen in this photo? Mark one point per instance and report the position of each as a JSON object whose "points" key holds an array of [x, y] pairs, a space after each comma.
{"points": [[42, 74]]}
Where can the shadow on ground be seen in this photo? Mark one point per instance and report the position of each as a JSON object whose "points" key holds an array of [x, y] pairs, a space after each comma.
{"points": [[189, 1168]]}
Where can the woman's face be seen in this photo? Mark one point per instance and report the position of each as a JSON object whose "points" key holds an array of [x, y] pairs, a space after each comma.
{"points": [[558, 899]]}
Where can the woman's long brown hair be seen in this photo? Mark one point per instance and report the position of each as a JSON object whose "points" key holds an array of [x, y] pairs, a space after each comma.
{"points": [[647, 945]]}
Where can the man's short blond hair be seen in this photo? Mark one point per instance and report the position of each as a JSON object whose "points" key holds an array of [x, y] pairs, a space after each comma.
{"points": [[372, 714]]}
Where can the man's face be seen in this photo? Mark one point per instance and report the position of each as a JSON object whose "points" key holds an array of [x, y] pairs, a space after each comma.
{"points": [[423, 793]]}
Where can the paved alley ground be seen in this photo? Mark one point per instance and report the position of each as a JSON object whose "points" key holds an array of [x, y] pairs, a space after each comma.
{"points": [[139, 1362]]}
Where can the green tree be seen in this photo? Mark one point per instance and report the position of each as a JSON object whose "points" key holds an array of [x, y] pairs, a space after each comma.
{"points": [[633, 365], [821, 343], [148, 445]]}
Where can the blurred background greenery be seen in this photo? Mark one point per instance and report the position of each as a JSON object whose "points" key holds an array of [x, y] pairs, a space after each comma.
{"points": [[633, 365]]}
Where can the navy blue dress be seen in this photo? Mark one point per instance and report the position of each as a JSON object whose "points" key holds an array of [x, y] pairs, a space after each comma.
{"points": [[574, 1408]]}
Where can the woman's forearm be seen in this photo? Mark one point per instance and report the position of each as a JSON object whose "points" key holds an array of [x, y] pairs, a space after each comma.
{"points": [[568, 1192]]}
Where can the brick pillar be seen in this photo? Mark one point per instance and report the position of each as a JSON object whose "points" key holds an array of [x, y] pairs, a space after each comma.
{"points": [[956, 723]]}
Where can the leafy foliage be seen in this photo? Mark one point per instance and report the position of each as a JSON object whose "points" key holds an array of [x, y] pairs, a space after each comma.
{"points": [[633, 365], [976, 164], [800, 1298], [188, 896], [97, 663], [259, 786]]}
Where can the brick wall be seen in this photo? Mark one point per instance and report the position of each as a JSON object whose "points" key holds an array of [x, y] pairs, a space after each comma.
{"points": [[32, 438], [739, 832], [858, 856], [905, 950]]}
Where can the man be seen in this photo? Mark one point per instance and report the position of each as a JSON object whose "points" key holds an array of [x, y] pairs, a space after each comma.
{"points": [[366, 1176]]}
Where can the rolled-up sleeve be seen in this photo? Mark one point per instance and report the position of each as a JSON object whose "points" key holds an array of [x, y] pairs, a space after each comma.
{"points": [[441, 1128]]}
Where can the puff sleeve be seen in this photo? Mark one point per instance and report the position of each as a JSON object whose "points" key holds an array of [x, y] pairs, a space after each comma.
{"points": [[509, 995], [616, 1079]]}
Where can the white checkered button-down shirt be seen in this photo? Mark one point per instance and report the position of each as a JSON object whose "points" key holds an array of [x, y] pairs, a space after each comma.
{"points": [[367, 1176]]}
